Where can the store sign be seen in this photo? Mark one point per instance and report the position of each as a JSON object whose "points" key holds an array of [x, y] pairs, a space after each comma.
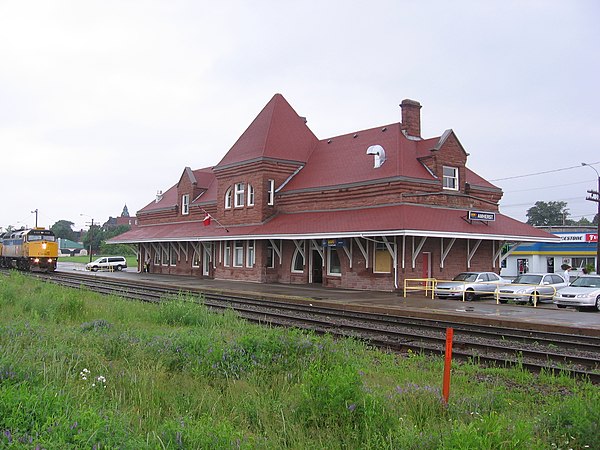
{"points": [[579, 237], [481, 215]]}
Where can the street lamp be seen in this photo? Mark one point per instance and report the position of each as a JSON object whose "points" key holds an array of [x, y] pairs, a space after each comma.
{"points": [[595, 197], [35, 211], [90, 232]]}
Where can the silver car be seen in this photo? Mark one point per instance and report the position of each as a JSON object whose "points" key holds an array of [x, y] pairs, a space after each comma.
{"points": [[469, 284], [532, 288], [582, 293]]}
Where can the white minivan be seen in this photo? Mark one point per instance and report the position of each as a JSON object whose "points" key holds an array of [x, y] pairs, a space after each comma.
{"points": [[107, 263]]}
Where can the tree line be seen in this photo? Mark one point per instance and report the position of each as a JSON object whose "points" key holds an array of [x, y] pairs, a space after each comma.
{"points": [[545, 214]]}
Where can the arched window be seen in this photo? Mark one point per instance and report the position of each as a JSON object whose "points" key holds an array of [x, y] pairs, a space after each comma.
{"points": [[228, 198]]}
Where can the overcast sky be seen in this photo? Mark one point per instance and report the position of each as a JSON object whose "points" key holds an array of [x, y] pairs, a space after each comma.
{"points": [[102, 103]]}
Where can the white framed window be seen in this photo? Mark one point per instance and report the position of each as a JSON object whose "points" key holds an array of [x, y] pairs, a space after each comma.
{"points": [[271, 192], [250, 195], [238, 254], [228, 197], [239, 195], [185, 204], [450, 178], [250, 254], [334, 266], [298, 262], [157, 258], [227, 254], [382, 260]]}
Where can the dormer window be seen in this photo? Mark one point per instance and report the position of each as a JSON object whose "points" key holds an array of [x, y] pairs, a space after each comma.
{"points": [[450, 178], [271, 193], [250, 195], [239, 195], [228, 197], [185, 204]]}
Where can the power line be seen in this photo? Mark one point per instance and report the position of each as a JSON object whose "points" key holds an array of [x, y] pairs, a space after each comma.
{"points": [[543, 173], [546, 187]]}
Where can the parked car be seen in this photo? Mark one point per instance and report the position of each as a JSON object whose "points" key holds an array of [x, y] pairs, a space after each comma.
{"points": [[532, 288], [582, 293], [472, 284], [107, 262]]}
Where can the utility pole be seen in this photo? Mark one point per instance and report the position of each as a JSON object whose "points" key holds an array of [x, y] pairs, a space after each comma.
{"points": [[595, 197], [90, 232], [36, 214]]}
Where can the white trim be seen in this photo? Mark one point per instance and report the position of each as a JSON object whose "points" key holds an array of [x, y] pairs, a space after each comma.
{"points": [[357, 234], [277, 250], [364, 251], [415, 252], [444, 253], [472, 253]]}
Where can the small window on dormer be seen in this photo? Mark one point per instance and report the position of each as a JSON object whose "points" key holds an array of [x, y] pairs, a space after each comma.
{"points": [[239, 195], [250, 195], [228, 197], [271, 193], [185, 204], [450, 178]]}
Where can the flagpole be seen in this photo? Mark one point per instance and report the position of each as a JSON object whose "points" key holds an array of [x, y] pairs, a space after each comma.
{"points": [[215, 219]]}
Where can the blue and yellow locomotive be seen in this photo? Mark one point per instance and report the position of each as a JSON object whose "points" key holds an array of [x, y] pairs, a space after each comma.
{"points": [[29, 249]]}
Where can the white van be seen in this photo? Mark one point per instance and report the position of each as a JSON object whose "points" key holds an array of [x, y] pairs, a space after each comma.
{"points": [[107, 263]]}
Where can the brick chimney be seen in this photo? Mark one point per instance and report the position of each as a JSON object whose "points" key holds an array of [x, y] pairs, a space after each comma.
{"points": [[411, 117]]}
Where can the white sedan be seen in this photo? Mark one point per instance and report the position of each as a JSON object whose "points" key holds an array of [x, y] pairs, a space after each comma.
{"points": [[532, 288], [584, 292]]}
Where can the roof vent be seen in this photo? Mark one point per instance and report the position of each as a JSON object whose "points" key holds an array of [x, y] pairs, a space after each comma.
{"points": [[159, 196], [384, 129], [355, 136], [379, 153], [329, 141]]}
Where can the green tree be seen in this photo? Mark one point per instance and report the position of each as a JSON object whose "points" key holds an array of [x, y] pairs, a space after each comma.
{"points": [[64, 229], [116, 249], [548, 214]]}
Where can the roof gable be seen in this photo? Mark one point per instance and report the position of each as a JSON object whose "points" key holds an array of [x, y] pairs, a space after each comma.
{"points": [[189, 174], [278, 132]]}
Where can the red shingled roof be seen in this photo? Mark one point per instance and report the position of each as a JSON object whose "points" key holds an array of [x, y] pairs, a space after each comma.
{"points": [[277, 132], [402, 219], [343, 160]]}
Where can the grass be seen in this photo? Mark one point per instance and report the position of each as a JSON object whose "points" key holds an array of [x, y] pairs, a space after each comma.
{"points": [[78, 370]]}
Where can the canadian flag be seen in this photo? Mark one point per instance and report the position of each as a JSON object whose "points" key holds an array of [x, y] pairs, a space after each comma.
{"points": [[206, 220]]}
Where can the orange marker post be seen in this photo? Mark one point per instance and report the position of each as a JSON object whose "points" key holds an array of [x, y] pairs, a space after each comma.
{"points": [[447, 365]]}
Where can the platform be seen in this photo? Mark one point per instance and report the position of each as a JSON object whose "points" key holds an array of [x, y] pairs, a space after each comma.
{"points": [[545, 317]]}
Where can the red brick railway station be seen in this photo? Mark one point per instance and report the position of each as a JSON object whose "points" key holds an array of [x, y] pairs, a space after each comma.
{"points": [[363, 211]]}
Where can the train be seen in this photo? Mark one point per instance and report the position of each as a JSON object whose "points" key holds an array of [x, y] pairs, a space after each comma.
{"points": [[34, 249]]}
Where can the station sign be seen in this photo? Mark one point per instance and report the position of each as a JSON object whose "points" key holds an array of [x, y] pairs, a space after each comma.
{"points": [[482, 215], [333, 243]]}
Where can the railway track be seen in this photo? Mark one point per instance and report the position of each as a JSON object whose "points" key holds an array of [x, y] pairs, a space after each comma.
{"points": [[576, 355]]}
